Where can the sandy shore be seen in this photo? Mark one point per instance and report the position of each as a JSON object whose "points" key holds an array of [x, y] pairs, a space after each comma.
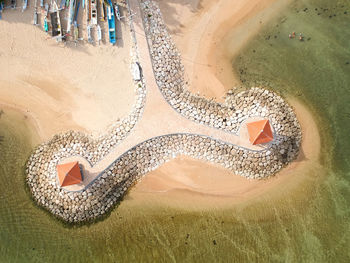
{"points": [[189, 183], [86, 88], [63, 87], [217, 30], [192, 184]]}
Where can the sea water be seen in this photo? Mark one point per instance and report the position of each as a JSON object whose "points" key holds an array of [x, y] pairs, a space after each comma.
{"points": [[308, 223]]}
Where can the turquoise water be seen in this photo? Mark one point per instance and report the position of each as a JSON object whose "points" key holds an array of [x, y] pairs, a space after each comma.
{"points": [[306, 223]]}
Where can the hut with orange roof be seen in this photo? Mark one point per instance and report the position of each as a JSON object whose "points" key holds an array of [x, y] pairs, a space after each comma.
{"points": [[69, 174], [260, 132]]}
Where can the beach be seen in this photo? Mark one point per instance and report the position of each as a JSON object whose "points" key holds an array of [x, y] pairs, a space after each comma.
{"points": [[185, 179], [66, 93], [186, 210], [62, 86]]}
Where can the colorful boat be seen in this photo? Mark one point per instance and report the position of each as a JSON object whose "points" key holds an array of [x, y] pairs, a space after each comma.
{"points": [[25, 4], [1, 7], [56, 23], [99, 34], [93, 15], [46, 25], [70, 15], [76, 29], [89, 34], [103, 11], [13, 4], [111, 23]]}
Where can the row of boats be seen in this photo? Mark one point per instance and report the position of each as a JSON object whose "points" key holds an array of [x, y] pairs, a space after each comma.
{"points": [[109, 12]]}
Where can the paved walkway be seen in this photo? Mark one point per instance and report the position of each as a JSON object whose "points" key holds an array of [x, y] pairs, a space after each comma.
{"points": [[158, 118]]}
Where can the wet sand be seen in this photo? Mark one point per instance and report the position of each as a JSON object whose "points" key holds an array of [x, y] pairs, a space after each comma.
{"points": [[210, 33], [191, 184]]}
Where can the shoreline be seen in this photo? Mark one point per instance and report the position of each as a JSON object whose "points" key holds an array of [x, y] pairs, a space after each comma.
{"points": [[179, 182], [52, 81], [249, 165], [210, 65]]}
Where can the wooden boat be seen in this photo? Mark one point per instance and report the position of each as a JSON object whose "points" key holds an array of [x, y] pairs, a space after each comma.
{"points": [[93, 15], [99, 34], [76, 29], [111, 23], [117, 11], [13, 4], [25, 4], [89, 34], [1, 7], [70, 15], [103, 11], [56, 23]]}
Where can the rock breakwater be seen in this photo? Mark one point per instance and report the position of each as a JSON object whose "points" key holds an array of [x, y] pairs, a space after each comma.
{"points": [[110, 186]]}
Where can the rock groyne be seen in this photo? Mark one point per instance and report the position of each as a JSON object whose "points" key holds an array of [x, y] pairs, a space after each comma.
{"points": [[108, 188]]}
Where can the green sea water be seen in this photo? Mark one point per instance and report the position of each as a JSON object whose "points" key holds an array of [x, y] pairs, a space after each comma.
{"points": [[309, 222]]}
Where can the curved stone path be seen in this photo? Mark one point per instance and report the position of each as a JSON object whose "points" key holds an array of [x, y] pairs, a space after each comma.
{"points": [[115, 161]]}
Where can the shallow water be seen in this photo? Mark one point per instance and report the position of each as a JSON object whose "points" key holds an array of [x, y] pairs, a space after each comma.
{"points": [[306, 223]]}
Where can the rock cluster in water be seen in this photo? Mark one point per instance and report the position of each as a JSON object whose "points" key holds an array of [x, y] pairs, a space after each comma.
{"points": [[112, 184]]}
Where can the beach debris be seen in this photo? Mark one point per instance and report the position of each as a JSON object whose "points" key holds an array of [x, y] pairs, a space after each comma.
{"points": [[136, 71], [301, 38], [117, 12]]}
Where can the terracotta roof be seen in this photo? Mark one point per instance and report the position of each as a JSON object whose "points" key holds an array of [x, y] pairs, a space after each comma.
{"points": [[259, 132], [69, 173]]}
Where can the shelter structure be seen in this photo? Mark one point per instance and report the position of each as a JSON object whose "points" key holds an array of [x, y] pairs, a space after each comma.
{"points": [[69, 174], [260, 132]]}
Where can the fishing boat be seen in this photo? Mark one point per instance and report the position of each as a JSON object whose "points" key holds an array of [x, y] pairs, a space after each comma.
{"points": [[117, 11], [89, 34], [93, 15], [46, 25], [76, 29], [35, 19], [62, 4], [25, 4], [99, 34], [70, 15], [103, 11], [13, 4], [56, 23], [111, 23], [1, 7]]}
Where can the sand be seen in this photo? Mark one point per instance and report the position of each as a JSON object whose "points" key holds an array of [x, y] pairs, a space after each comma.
{"points": [[87, 87], [210, 33], [63, 87], [192, 184]]}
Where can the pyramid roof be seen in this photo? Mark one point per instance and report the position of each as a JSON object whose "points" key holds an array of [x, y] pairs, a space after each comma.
{"points": [[69, 173], [260, 132]]}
